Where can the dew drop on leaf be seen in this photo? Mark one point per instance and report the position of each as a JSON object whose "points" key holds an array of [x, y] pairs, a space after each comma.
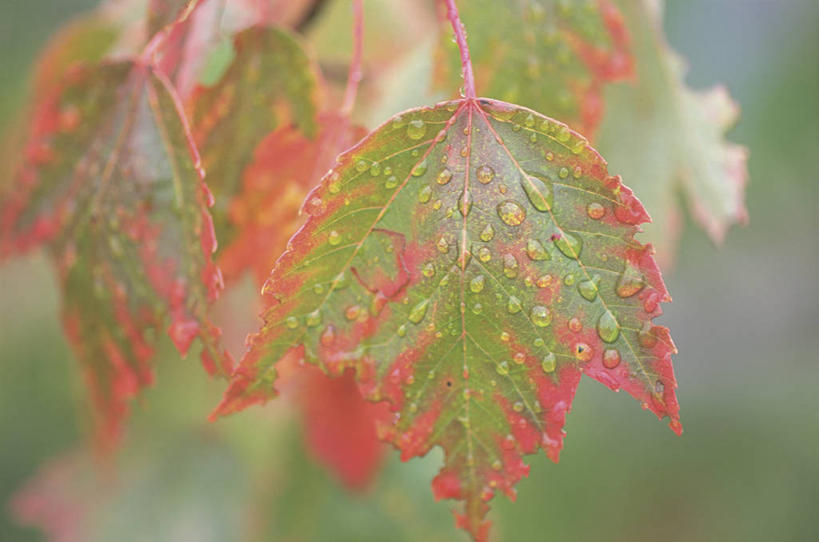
{"points": [[416, 129], [539, 191], [419, 169], [607, 327], [549, 363], [513, 305], [588, 289], [485, 174], [425, 194], [569, 244], [535, 250], [510, 266], [630, 282], [541, 316], [418, 312], [611, 358], [444, 176], [476, 284], [595, 211], [488, 233], [511, 213]]}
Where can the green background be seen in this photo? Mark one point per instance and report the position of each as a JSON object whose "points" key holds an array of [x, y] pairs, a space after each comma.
{"points": [[745, 318]]}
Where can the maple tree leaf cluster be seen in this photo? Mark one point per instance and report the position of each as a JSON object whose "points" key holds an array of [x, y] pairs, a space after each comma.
{"points": [[443, 280]]}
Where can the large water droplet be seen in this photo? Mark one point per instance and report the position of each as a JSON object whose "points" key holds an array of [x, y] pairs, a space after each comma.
{"points": [[569, 244], [611, 358], [511, 213], [583, 352], [416, 129], [418, 312], [541, 316], [607, 327], [539, 191], [595, 210], [535, 250], [630, 282], [485, 174]]}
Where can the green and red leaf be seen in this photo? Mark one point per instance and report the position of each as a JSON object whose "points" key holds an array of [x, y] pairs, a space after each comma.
{"points": [[468, 262], [111, 183], [551, 55]]}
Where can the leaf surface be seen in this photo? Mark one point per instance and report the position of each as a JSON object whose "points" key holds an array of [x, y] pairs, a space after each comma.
{"points": [[666, 139], [550, 55], [269, 83], [111, 184], [469, 261]]}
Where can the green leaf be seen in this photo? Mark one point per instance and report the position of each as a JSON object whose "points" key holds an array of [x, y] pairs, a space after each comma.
{"points": [[469, 261], [111, 184], [551, 55], [269, 83], [666, 138]]}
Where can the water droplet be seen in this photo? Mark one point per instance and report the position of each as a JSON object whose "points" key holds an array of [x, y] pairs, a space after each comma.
{"points": [[402, 330], [352, 312], [485, 174], [425, 194], [518, 406], [544, 281], [588, 288], [511, 213], [413, 408], [510, 266], [505, 337], [442, 245], [429, 269], [539, 343], [292, 322], [416, 129], [646, 336], [611, 358], [568, 280], [569, 244], [550, 156], [541, 316], [418, 312], [502, 368], [335, 238], [484, 254], [563, 134], [583, 352], [477, 308], [314, 318], [465, 202], [335, 186], [476, 284], [630, 282], [539, 191], [529, 121], [659, 387], [488, 233], [535, 250], [497, 465], [361, 166], [577, 172], [419, 169], [549, 363], [563, 173], [513, 305], [519, 358], [575, 324], [318, 288], [444, 176], [607, 327], [328, 336]]}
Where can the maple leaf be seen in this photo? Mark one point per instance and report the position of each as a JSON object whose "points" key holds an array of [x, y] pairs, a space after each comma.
{"points": [[469, 261], [550, 55], [665, 138], [270, 82], [113, 187]]}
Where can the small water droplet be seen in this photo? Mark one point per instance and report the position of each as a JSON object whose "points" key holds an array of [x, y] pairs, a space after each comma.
{"points": [[444, 176], [429, 270], [519, 358], [511, 213], [544, 281], [577, 172], [425, 194], [413, 408], [313, 319], [418, 312], [563, 134], [334, 239], [563, 173], [484, 254], [477, 308], [292, 322], [539, 191], [583, 352], [549, 363], [485, 174], [465, 202], [607, 327], [505, 337], [535, 250], [588, 288], [352, 312], [361, 166], [419, 169], [575, 324], [611, 358], [541, 316], [476, 284], [497, 465], [510, 266], [595, 210], [328, 336], [442, 245], [488, 233], [631, 281], [416, 129], [518, 406], [502, 368], [513, 305], [529, 121], [646, 336]]}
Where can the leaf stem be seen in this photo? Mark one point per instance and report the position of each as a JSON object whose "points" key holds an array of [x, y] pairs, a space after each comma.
{"points": [[460, 39], [354, 76], [147, 57]]}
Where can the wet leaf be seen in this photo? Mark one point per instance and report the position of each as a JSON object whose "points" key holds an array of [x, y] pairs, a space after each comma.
{"points": [[110, 184], [551, 55], [269, 83], [469, 261], [666, 138]]}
